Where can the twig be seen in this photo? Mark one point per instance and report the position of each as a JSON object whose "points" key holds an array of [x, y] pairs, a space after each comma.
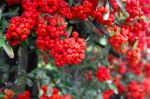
{"points": [[100, 27]]}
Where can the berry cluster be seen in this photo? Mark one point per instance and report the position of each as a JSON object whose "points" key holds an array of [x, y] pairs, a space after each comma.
{"points": [[84, 10], [134, 56], [69, 51], [148, 42], [9, 94], [145, 8], [135, 90], [103, 74], [133, 8], [137, 31], [121, 88], [147, 70], [117, 64], [99, 13], [66, 11], [146, 87], [24, 95], [115, 5], [55, 94], [122, 68], [64, 51], [20, 27], [107, 94], [118, 41], [49, 31], [131, 41]]}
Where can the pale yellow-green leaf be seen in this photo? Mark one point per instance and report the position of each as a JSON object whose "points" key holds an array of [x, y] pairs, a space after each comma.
{"points": [[9, 51]]}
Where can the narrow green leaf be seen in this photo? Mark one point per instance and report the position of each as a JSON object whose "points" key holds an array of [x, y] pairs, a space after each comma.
{"points": [[31, 75], [119, 20], [1, 34], [29, 82], [1, 42], [0, 13], [19, 51], [122, 8], [4, 78], [49, 91], [20, 80], [5, 23], [113, 87], [14, 68], [8, 50], [74, 21], [100, 3], [41, 92], [71, 2], [70, 31], [135, 44], [4, 68]]}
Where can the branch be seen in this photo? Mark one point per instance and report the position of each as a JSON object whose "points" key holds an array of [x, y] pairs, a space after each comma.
{"points": [[100, 27], [113, 52]]}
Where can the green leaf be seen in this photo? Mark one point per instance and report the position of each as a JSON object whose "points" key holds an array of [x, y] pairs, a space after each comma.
{"points": [[113, 87], [1, 34], [41, 92], [5, 23], [1, 96], [122, 8], [12, 12], [4, 68], [25, 43], [9, 51], [31, 75], [74, 21], [49, 91], [119, 20], [14, 68], [20, 80], [4, 78], [100, 3], [29, 82], [46, 80], [99, 96], [70, 31], [0, 14], [103, 41], [1, 42], [2, 39], [71, 2], [50, 67], [19, 52], [135, 44]]}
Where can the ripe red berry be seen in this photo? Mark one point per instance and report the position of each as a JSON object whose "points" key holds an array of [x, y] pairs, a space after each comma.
{"points": [[133, 56], [103, 74]]}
